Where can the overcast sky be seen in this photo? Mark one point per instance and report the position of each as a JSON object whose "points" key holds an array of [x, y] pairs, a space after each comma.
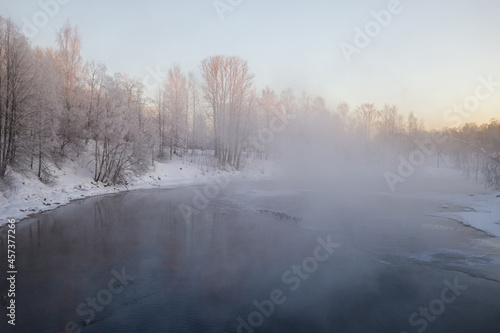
{"points": [[428, 57]]}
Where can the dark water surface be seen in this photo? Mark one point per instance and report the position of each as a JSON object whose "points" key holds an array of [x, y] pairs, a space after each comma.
{"points": [[133, 263]]}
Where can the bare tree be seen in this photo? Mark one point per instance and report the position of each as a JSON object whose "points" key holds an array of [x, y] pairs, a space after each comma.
{"points": [[70, 71], [161, 120], [111, 152], [367, 115], [176, 97], [193, 106], [389, 124], [412, 126], [16, 90], [305, 103], [269, 106], [477, 152], [319, 108], [133, 90], [44, 114], [228, 87], [288, 103], [344, 111], [96, 73]]}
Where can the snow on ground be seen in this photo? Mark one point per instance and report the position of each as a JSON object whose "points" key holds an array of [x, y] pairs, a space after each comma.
{"points": [[29, 196], [480, 211], [479, 208], [460, 199]]}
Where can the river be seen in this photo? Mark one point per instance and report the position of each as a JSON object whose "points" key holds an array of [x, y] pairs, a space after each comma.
{"points": [[259, 257]]}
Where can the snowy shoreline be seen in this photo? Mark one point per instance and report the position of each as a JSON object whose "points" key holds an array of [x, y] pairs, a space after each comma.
{"points": [[30, 197], [479, 210]]}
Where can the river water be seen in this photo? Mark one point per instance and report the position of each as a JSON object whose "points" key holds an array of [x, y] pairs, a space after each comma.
{"points": [[258, 257]]}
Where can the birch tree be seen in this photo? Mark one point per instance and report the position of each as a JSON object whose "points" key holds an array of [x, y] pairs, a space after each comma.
{"points": [[176, 103], [16, 89], [476, 150], [96, 74], [70, 71], [44, 114], [367, 116], [193, 106], [228, 89]]}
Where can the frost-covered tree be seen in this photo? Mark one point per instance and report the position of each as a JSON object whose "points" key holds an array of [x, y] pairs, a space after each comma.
{"points": [[138, 126], [176, 96], [159, 114], [96, 74], [412, 126], [228, 90], [70, 71], [16, 91], [390, 128], [268, 108], [476, 150], [367, 116], [45, 111], [193, 110], [288, 103], [344, 113], [119, 144]]}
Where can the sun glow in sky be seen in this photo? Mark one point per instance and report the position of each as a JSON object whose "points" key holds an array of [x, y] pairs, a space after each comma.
{"points": [[426, 57]]}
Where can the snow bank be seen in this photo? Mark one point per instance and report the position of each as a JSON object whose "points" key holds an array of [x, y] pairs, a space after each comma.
{"points": [[29, 196], [479, 211], [460, 199], [478, 207]]}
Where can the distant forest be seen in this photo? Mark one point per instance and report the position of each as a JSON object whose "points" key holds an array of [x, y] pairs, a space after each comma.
{"points": [[56, 106]]}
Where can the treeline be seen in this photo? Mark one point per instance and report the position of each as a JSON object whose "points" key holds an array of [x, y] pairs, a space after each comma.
{"points": [[476, 150], [55, 106]]}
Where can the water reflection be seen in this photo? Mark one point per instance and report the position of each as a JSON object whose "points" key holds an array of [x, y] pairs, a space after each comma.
{"points": [[201, 274]]}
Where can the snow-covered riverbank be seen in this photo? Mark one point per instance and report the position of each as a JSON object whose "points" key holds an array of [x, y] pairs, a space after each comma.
{"points": [[479, 211], [29, 196], [460, 199]]}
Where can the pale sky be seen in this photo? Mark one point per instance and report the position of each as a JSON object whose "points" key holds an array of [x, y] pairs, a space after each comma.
{"points": [[426, 59]]}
